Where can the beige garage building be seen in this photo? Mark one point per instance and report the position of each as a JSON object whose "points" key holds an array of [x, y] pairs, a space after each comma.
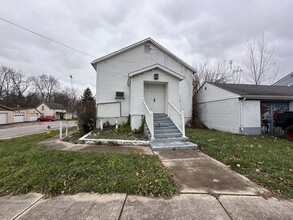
{"points": [[6, 114]]}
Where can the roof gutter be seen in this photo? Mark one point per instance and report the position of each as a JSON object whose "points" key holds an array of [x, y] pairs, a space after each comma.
{"points": [[268, 97]]}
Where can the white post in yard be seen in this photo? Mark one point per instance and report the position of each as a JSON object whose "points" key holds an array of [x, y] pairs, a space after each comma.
{"points": [[60, 129], [66, 134], [116, 123], [101, 124], [183, 124]]}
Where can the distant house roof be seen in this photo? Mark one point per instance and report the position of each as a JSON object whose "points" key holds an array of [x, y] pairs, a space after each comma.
{"points": [[5, 107], [147, 40], [52, 105], [285, 81], [262, 92]]}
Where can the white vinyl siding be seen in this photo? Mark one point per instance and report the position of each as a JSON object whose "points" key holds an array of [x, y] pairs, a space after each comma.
{"points": [[221, 115], [209, 93], [137, 89], [112, 76]]}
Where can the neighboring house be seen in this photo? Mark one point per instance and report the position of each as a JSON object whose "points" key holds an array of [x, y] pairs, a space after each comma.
{"points": [[26, 114], [285, 81], [52, 109], [241, 108], [6, 114], [141, 79]]}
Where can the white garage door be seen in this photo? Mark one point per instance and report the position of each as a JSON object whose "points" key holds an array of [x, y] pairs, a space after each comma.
{"points": [[18, 117], [33, 116], [3, 118]]}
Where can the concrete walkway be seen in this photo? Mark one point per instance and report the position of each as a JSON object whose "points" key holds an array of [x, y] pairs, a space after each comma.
{"points": [[199, 173], [33, 206]]}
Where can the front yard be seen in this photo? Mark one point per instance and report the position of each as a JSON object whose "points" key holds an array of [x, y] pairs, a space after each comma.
{"points": [[28, 167], [265, 160]]}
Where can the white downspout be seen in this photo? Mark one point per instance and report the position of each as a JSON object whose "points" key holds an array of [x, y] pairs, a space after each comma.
{"points": [[241, 114]]}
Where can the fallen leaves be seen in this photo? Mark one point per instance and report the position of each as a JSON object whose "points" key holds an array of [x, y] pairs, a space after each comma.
{"points": [[216, 180], [238, 165], [132, 199]]}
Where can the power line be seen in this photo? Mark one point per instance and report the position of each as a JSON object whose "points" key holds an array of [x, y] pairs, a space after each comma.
{"points": [[47, 38]]}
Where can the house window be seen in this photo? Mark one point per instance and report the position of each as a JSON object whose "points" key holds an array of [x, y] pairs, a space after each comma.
{"points": [[43, 107], [147, 48], [119, 95]]}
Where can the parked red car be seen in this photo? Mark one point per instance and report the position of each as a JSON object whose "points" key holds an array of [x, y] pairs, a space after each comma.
{"points": [[46, 118]]}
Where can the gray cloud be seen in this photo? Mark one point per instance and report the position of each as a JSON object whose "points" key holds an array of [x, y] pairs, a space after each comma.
{"points": [[190, 29]]}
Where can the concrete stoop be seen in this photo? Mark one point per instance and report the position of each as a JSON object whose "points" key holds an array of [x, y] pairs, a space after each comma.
{"points": [[167, 135]]}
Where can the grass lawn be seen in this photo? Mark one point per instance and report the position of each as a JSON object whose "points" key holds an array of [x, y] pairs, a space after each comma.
{"points": [[28, 167], [266, 160]]}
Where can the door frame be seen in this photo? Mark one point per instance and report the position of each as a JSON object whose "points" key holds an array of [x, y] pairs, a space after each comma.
{"points": [[165, 84]]}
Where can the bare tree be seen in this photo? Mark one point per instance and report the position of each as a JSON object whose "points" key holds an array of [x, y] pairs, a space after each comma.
{"points": [[219, 71], [46, 85], [261, 65], [13, 86]]}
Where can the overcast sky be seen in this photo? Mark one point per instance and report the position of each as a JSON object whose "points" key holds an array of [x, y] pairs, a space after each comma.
{"points": [[190, 29]]}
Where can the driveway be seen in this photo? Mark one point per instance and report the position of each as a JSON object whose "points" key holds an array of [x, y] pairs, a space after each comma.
{"points": [[22, 129]]}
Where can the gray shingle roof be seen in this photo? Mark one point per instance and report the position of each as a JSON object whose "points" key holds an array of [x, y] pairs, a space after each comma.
{"points": [[259, 91], [52, 105]]}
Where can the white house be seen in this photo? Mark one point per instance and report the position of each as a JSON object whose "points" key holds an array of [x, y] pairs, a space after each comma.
{"points": [[241, 108], [142, 79]]}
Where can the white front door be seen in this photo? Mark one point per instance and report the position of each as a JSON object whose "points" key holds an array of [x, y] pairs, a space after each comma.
{"points": [[154, 95]]}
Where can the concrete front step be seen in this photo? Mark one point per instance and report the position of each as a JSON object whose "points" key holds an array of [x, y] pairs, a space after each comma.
{"points": [[173, 145], [167, 131], [166, 128], [168, 135], [163, 124], [169, 140]]}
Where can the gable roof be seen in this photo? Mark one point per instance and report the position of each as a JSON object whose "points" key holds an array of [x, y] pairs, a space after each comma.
{"points": [[262, 92], [53, 105], [147, 40], [284, 79], [5, 107], [156, 66]]}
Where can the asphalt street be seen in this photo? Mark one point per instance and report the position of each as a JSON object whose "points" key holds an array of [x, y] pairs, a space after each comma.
{"points": [[22, 129]]}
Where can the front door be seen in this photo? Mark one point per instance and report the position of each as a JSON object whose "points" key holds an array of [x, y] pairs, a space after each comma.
{"points": [[154, 95]]}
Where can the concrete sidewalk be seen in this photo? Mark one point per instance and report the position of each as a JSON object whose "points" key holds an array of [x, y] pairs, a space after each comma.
{"points": [[121, 206]]}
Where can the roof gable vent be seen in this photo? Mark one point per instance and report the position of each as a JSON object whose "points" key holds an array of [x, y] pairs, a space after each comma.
{"points": [[147, 48]]}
